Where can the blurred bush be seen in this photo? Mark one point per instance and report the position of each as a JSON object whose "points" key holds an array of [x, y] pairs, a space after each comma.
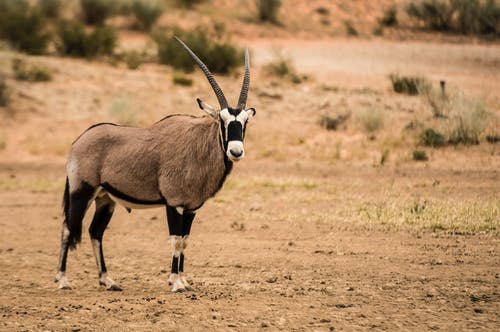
{"points": [[333, 122], [133, 58], [97, 11], [187, 3], [432, 138], [23, 26], [50, 8], [420, 155], [73, 40], [282, 67], [146, 13], [390, 17], [180, 79], [463, 122], [410, 85], [468, 121], [435, 14], [462, 16], [219, 55], [268, 10], [32, 73], [371, 119], [350, 29], [476, 17], [4, 91]]}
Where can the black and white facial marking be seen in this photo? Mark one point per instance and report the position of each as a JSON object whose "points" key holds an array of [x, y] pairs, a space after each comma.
{"points": [[233, 125]]}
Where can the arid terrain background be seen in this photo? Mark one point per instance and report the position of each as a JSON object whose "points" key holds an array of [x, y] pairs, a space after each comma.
{"points": [[316, 229]]}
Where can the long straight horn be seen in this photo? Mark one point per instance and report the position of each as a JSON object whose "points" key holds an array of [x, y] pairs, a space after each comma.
{"points": [[211, 79], [246, 82]]}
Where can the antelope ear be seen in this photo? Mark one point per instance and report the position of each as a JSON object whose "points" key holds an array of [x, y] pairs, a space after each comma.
{"points": [[251, 112], [207, 108]]}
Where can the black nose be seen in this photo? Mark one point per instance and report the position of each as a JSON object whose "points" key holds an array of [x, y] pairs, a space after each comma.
{"points": [[236, 153]]}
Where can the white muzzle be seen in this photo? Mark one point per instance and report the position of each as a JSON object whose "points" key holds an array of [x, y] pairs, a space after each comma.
{"points": [[235, 150]]}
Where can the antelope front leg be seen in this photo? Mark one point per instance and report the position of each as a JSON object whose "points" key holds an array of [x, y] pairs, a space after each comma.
{"points": [[187, 221], [179, 224], [175, 279]]}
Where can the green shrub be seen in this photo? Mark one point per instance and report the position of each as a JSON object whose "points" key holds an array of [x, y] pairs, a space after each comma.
{"points": [[411, 85], [462, 16], [133, 58], [330, 122], [183, 80], [146, 13], [268, 10], [390, 17], [435, 14], [468, 13], [4, 91], [23, 26], [420, 155], [371, 119], [282, 67], [493, 138], [32, 73], [350, 29], [219, 56], [188, 3], [489, 18], [50, 8], [477, 17], [432, 138], [97, 11], [73, 40]]}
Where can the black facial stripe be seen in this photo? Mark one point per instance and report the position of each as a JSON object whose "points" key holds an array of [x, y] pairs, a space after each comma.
{"points": [[235, 131], [223, 132]]}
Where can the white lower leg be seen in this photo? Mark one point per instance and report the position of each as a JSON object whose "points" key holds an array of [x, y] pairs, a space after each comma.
{"points": [[60, 278], [104, 279], [174, 279], [184, 281], [185, 239]]}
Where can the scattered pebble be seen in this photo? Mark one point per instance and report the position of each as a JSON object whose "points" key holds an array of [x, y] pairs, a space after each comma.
{"points": [[272, 280]]}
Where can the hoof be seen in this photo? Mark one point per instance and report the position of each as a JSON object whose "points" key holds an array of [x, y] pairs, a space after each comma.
{"points": [[186, 284], [110, 284], [178, 290], [63, 282], [114, 288], [177, 285]]}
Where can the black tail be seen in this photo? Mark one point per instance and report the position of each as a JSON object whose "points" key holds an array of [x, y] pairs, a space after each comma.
{"points": [[74, 224], [65, 202]]}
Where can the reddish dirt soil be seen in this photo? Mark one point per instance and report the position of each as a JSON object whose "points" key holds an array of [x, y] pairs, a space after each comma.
{"points": [[272, 275], [294, 241]]}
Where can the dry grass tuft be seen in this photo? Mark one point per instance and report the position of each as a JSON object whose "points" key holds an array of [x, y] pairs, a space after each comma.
{"points": [[371, 119], [24, 71]]}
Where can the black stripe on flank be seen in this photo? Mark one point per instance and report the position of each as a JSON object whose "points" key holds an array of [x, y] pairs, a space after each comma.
{"points": [[130, 199]]}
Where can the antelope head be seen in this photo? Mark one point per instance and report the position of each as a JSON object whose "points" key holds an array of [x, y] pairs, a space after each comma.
{"points": [[232, 120]]}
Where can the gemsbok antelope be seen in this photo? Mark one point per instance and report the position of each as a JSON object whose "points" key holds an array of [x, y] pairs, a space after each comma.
{"points": [[179, 162]]}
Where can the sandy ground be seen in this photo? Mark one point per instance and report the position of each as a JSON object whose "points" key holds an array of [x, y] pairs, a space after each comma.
{"points": [[274, 268], [309, 233]]}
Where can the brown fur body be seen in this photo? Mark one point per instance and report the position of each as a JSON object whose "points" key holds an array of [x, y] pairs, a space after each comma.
{"points": [[178, 160]]}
